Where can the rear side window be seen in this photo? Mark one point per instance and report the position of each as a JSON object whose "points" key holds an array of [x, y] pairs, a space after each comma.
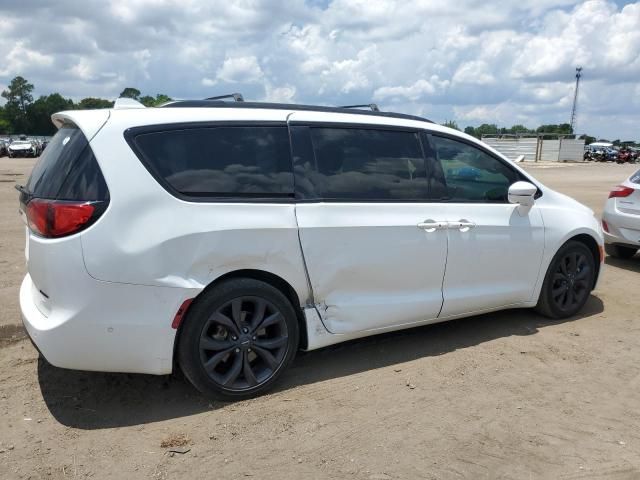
{"points": [[221, 161], [67, 169], [362, 164]]}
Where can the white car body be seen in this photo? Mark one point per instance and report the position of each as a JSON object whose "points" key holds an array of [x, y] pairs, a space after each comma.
{"points": [[622, 214], [105, 298]]}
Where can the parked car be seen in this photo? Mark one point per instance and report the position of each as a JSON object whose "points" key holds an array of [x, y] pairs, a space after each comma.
{"points": [[222, 237], [600, 152], [621, 218], [624, 156], [3, 148], [23, 148]]}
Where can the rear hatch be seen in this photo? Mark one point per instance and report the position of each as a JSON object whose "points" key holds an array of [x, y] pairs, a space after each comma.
{"points": [[65, 194]]}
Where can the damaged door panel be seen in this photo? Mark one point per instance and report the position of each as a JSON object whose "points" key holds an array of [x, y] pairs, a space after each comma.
{"points": [[370, 266]]}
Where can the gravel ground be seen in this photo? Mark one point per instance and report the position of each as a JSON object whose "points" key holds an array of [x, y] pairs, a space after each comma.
{"points": [[503, 395]]}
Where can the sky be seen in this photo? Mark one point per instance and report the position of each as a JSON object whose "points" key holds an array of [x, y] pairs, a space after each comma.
{"points": [[472, 61]]}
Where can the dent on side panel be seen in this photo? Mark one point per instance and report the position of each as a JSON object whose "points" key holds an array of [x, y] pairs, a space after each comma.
{"points": [[175, 244]]}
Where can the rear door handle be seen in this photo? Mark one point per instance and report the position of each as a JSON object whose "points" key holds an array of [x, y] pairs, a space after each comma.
{"points": [[431, 225], [462, 225]]}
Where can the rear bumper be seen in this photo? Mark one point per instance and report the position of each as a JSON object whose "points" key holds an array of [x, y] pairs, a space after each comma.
{"points": [[624, 229], [114, 327]]}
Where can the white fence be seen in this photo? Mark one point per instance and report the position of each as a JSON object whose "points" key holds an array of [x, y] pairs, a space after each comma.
{"points": [[536, 149]]}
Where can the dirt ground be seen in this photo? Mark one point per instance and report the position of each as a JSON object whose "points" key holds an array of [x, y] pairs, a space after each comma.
{"points": [[504, 395]]}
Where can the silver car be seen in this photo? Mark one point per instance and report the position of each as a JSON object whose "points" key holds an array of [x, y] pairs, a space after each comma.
{"points": [[621, 219]]}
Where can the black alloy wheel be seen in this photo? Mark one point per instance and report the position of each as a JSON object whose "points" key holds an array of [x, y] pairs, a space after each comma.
{"points": [[568, 282], [243, 343], [237, 339]]}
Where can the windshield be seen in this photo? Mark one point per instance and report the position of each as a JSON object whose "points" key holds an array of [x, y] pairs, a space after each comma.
{"points": [[635, 178]]}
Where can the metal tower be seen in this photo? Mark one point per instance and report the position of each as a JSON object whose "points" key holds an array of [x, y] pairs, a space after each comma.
{"points": [[575, 98]]}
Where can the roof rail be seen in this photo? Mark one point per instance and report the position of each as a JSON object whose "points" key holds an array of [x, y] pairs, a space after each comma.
{"points": [[236, 96], [372, 106]]}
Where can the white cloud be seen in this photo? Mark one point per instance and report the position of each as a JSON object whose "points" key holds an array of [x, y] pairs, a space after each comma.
{"points": [[468, 60], [240, 70]]}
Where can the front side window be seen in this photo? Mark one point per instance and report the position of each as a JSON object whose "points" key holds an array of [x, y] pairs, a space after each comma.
{"points": [[221, 161], [362, 164], [470, 174]]}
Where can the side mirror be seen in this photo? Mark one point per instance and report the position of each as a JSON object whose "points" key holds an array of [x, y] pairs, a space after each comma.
{"points": [[522, 193]]}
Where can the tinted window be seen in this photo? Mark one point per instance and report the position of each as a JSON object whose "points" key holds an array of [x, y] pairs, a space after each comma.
{"points": [[67, 169], [221, 161], [361, 164], [470, 174]]}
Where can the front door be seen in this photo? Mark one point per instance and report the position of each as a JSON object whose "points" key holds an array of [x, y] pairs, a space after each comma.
{"points": [[374, 250], [495, 251]]}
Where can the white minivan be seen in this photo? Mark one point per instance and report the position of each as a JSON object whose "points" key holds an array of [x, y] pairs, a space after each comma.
{"points": [[224, 236]]}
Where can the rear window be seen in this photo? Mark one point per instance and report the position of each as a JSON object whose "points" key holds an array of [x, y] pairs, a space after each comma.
{"points": [[635, 178], [220, 161], [67, 169]]}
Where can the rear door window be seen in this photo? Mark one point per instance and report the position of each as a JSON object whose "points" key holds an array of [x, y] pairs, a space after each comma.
{"points": [[220, 161], [67, 169], [361, 164]]}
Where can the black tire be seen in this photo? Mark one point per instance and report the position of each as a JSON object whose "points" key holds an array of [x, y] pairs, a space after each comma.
{"points": [[238, 339], [568, 282], [620, 251]]}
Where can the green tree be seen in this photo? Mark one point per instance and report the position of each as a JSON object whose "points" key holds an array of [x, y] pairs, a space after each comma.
{"points": [[486, 129], [39, 113], [19, 96], [130, 92], [93, 103], [149, 101], [588, 139], [470, 131], [451, 124]]}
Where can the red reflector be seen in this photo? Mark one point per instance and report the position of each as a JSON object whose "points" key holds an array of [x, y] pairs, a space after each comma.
{"points": [[605, 226], [621, 191], [57, 218], [177, 320]]}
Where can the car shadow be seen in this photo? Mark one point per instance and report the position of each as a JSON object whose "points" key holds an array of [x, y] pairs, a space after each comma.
{"points": [[632, 264], [92, 400]]}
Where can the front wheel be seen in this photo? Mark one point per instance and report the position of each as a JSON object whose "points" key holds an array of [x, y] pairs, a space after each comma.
{"points": [[238, 338], [568, 281], [620, 251]]}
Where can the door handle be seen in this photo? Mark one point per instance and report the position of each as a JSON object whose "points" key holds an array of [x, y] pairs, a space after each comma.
{"points": [[430, 226], [462, 225]]}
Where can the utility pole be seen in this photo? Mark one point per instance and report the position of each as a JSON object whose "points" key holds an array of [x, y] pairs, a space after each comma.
{"points": [[575, 98]]}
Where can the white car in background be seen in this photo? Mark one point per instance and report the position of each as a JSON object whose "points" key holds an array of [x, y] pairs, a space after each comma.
{"points": [[224, 236], [22, 148], [621, 219]]}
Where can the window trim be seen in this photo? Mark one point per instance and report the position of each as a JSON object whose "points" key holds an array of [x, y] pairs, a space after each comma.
{"points": [[506, 163], [356, 126], [130, 135]]}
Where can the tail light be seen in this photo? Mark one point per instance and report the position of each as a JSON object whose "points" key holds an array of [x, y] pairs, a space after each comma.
{"points": [[621, 191], [59, 218]]}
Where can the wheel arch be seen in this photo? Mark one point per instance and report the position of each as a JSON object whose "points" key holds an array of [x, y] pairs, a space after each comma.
{"points": [[267, 277], [592, 244]]}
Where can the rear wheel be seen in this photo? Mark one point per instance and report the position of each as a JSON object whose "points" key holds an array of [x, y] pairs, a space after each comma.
{"points": [[620, 251], [238, 339], [568, 281]]}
